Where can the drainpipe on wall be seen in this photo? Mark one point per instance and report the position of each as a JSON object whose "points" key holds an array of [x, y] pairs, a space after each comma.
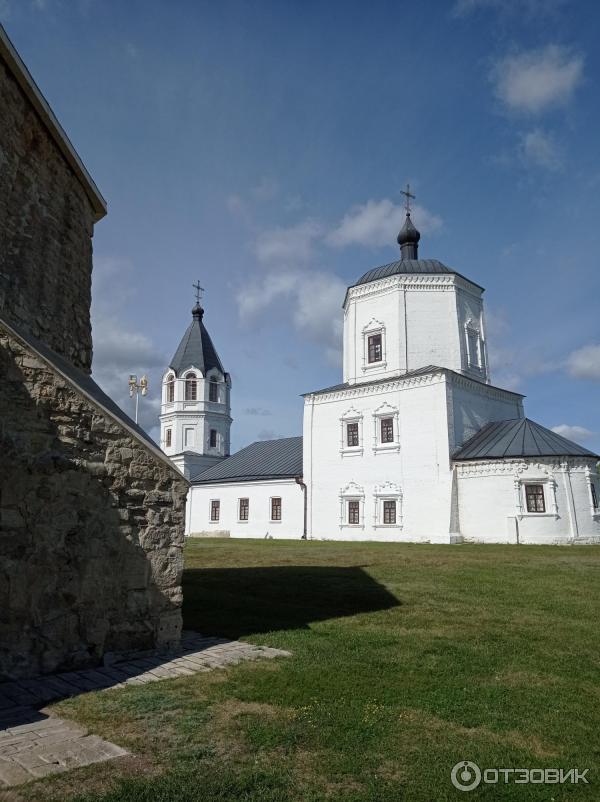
{"points": [[303, 486]]}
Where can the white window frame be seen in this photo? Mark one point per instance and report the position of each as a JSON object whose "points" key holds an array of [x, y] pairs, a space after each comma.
{"points": [[548, 483], [374, 327], [241, 520], [388, 491], [351, 416], [352, 492], [191, 373], [271, 519], [169, 429], [210, 503], [216, 445], [186, 430], [386, 411], [170, 377]]}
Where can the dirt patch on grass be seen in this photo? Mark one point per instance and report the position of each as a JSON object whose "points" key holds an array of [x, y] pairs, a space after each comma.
{"points": [[440, 728]]}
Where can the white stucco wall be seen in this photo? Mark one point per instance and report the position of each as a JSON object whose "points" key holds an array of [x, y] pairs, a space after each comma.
{"points": [[493, 509], [423, 321], [259, 523]]}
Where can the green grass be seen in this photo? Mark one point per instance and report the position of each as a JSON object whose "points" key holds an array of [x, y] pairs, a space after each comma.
{"points": [[406, 659]]}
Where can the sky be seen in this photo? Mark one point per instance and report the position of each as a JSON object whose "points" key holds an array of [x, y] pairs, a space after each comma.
{"points": [[261, 147]]}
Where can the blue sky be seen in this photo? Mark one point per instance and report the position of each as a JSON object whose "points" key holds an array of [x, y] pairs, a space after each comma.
{"points": [[261, 147]]}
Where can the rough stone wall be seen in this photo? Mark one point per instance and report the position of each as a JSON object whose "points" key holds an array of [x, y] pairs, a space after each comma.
{"points": [[46, 225], [91, 527]]}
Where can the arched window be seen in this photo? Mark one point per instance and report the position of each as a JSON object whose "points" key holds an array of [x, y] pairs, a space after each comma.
{"points": [[191, 387], [213, 390], [170, 389]]}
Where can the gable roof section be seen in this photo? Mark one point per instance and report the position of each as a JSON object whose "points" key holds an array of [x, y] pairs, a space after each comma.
{"points": [[518, 438], [196, 349], [85, 385], [265, 459], [23, 77]]}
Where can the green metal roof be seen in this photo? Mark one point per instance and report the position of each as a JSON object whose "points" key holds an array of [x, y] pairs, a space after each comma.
{"points": [[265, 459]]}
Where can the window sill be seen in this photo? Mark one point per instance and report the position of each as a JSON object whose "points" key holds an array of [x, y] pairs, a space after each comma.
{"points": [[386, 447], [242, 522], [374, 365], [355, 451], [275, 522], [538, 515], [387, 526], [352, 526]]}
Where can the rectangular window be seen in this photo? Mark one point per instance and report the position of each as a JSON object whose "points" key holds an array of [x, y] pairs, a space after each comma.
{"points": [[474, 360], [168, 438], [353, 512], [244, 508], [389, 512], [213, 391], [534, 495], [188, 437], [352, 434], [213, 438], [594, 496], [171, 391], [276, 509], [215, 509], [387, 430], [374, 348], [191, 389]]}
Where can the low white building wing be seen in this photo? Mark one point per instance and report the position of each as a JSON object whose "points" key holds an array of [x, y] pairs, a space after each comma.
{"points": [[415, 444]]}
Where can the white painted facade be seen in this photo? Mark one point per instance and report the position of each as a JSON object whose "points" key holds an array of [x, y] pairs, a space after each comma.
{"points": [[260, 522], [377, 449]]}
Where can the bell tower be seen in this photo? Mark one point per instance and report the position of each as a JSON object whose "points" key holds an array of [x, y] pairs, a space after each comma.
{"points": [[195, 419]]}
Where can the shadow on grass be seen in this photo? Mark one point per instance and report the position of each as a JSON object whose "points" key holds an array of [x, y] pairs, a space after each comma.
{"points": [[234, 602]]}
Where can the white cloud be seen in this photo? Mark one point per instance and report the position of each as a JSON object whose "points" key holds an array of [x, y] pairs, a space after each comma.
{"points": [[540, 150], [376, 223], [532, 9], [535, 80], [293, 244], [584, 363], [577, 433], [258, 411]]}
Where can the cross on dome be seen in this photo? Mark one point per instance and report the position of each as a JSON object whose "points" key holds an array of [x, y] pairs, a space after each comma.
{"points": [[408, 195]]}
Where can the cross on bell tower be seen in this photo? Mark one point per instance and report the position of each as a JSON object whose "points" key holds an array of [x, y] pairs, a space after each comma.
{"points": [[408, 238], [408, 195], [199, 291]]}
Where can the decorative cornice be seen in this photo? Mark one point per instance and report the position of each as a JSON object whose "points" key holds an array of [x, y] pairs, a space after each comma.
{"points": [[516, 467], [365, 389], [439, 282]]}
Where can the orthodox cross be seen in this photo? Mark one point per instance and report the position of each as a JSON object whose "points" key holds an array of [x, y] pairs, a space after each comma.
{"points": [[407, 193], [199, 291]]}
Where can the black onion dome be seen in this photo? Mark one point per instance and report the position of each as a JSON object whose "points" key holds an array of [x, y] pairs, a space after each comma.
{"points": [[408, 232]]}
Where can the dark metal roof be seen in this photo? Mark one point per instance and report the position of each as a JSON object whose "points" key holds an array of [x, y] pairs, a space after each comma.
{"points": [[196, 349], [411, 267], [88, 387], [265, 459], [410, 374], [518, 438]]}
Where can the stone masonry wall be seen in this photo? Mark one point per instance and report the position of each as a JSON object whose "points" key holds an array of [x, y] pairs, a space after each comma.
{"points": [[91, 527], [46, 225]]}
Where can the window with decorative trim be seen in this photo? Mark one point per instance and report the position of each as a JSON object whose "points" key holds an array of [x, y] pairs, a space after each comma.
{"points": [[352, 502], [534, 498], [191, 387], [215, 509], [473, 346], [244, 509], [374, 355], [213, 390], [351, 438], [276, 508], [388, 505], [168, 438], [212, 439], [170, 394], [386, 434]]}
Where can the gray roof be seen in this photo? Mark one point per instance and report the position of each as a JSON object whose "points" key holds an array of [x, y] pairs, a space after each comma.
{"points": [[88, 387], [196, 349], [265, 459], [408, 375], [411, 267], [518, 438]]}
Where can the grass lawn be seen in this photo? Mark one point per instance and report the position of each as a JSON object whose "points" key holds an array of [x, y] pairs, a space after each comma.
{"points": [[406, 659]]}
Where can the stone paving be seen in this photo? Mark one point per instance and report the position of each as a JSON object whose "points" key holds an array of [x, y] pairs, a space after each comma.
{"points": [[34, 743]]}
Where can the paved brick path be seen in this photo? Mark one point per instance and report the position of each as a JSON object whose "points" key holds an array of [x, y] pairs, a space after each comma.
{"points": [[34, 744]]}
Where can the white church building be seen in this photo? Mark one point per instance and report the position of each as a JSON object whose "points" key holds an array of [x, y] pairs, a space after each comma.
{"points": [[415, 443]]}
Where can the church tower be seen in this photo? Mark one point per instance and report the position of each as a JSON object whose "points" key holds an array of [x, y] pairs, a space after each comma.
{"points": [[195, 418]]}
